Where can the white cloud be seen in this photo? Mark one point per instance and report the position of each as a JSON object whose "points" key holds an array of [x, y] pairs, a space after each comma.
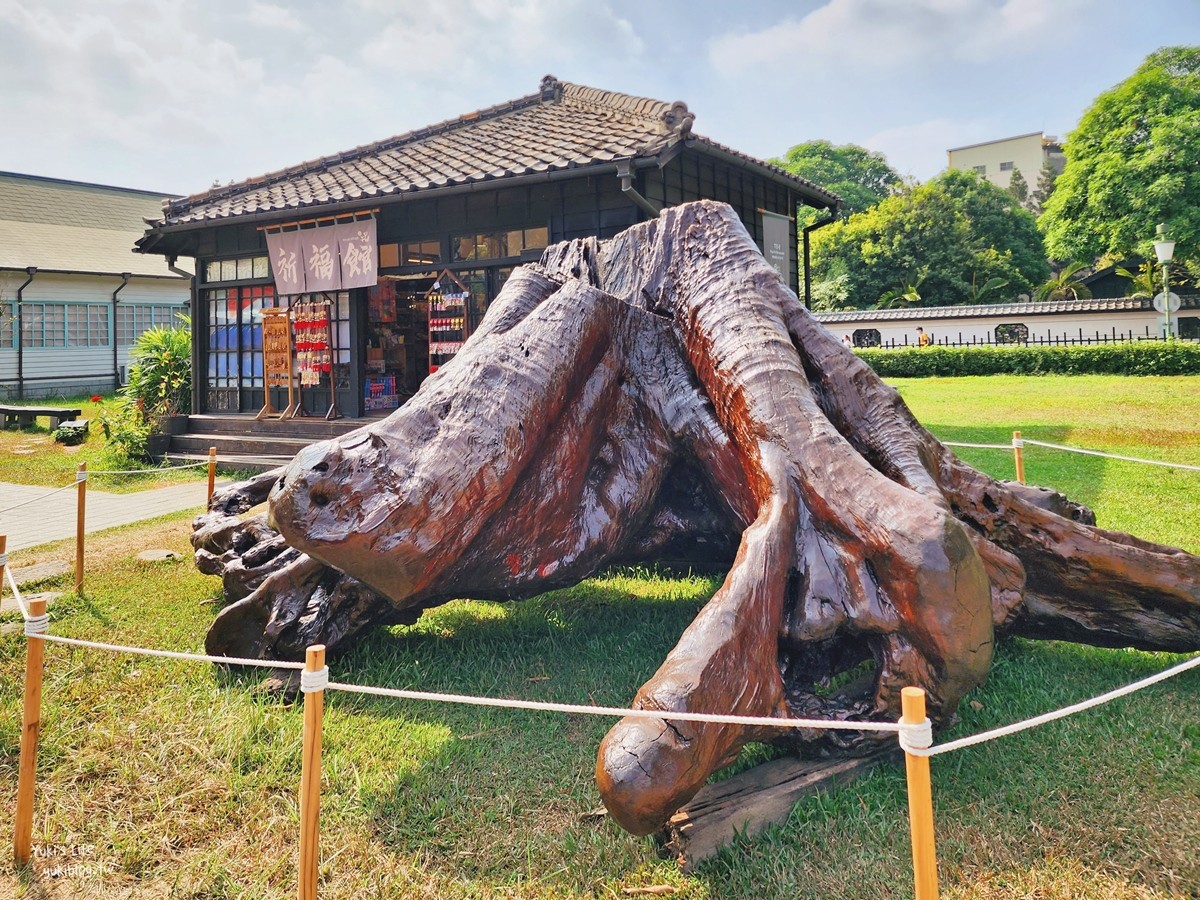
{"points": [[468, 39], [274, 18], [884, 34]]}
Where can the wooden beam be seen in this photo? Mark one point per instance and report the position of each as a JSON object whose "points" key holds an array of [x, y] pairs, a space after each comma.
{"points": [[751, 801]]}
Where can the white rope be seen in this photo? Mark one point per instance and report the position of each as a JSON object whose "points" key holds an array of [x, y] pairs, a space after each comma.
{"points": [[37, 625], [977, 446], [36, 499], [1018, 443], [82, 476], [314, 682], [915, 736], [1016, 727], [618, 711], [12, 583], [1148, 462], [3, 559], [136, 651], [148, 471], [172, 654]]}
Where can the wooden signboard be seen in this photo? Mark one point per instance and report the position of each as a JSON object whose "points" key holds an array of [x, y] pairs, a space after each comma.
{"points": [[277, 360]]}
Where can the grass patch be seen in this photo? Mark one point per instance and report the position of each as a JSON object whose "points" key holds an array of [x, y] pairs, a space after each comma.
{"points": [[182, 781], [32, 456]]}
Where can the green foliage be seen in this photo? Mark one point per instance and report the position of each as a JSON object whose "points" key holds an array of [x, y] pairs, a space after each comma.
{"points": [[126, 429], [160, 378], [1136, 358], [1065, 285], [953, 236], [1133, 161], [1019, 187], [69, 436], [1047, 179], [159, 385], [861, 177], [1143, 281]]}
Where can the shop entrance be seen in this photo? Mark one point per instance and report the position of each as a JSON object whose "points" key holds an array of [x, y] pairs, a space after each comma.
{"points": [[415, 324]]}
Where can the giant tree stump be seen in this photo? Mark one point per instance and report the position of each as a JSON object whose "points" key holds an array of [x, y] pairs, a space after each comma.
{"points": [[664, 395]]}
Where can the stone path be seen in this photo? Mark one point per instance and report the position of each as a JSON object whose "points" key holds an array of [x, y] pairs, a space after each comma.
{"points": [[51, 516]]}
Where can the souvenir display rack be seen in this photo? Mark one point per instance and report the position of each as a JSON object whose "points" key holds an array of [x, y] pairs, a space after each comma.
{"points": [[448, 327], [315, 350]]}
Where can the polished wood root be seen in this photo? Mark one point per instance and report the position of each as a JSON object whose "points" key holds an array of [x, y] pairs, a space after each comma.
{"points": [[663, 396]]}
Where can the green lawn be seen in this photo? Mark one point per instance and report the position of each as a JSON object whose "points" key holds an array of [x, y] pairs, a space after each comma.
{"points": [[32, 456], [181, 783]]}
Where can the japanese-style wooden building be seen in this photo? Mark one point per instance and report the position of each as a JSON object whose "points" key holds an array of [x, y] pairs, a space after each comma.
{"points": [[453, 208]]}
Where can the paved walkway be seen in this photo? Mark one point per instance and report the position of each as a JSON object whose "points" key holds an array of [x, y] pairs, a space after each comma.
{"points": [[52, 516]]}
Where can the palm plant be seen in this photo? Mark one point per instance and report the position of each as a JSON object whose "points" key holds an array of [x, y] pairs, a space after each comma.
{"points": [[1066, 285], [909, 295], [1143, 280]]}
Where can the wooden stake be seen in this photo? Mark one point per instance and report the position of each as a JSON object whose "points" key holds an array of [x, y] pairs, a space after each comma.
{"points": [[310, 779], [31, 724], [920, 802], [81, 503], [1018, 456], [212, 471]]}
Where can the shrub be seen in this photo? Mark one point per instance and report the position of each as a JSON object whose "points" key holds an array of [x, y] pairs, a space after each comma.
{"points": [[1130, 358], [125, 429], [160, 376]]}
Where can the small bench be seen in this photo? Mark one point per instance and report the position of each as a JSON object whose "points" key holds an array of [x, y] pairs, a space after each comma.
{"points": [[27, 416]]}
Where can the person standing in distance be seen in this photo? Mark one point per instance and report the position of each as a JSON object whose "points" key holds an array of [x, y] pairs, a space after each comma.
{"points": [[922, 337]]}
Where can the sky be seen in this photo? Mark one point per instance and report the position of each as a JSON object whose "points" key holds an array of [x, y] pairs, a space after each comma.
{"points": [[176, 95]]}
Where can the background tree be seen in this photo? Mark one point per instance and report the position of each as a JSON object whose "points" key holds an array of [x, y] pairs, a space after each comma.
{"points": [[861, 177], [1019, 187], [961, 238], [1047, 178], [1133, 161]]}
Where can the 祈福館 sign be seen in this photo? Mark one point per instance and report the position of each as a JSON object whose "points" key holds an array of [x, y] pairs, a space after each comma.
{"points": [[333, 257]]}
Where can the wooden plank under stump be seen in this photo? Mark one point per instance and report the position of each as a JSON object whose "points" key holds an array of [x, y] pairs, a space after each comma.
{"points": [[750, 801]]}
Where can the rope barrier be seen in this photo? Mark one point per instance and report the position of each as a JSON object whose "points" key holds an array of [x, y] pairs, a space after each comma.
{"points": [[616, 711], [195, 465], [914, 738], [1020, 442], [977, 446], [134, 651], [1004, 731], [1148, 462], [36, 499]]}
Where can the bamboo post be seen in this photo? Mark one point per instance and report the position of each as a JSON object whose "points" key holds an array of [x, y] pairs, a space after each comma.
{"points": [[310, 777], [1018, 455], [920, 802], [31, 724], [212, 471], [81, 503]]}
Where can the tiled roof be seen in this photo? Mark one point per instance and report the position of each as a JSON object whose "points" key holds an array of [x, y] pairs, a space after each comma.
{"points": [[68, 226], [1115, 304], [563, 126]]}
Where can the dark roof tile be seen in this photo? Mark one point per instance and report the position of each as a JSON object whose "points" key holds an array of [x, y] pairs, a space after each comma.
{"points": [[563, 126]]}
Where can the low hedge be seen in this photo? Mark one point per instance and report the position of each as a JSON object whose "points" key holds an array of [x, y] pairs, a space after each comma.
{"points": [[1132, 358]]}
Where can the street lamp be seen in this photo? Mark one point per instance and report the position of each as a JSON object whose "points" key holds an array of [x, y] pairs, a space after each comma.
{"points": [[1164, 249]]}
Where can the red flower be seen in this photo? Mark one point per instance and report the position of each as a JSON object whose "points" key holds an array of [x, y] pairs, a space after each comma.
{"points": [[95, 398]]}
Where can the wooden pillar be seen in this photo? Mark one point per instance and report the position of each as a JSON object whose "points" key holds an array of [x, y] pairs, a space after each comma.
{"points": [[1018, 456], [310, 779], [80, 505], [920, 802], [212, 471], [31, 724]]}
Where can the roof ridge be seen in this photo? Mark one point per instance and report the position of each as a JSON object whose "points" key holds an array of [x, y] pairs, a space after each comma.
{"points": [[390, 143], [669, 117]]}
